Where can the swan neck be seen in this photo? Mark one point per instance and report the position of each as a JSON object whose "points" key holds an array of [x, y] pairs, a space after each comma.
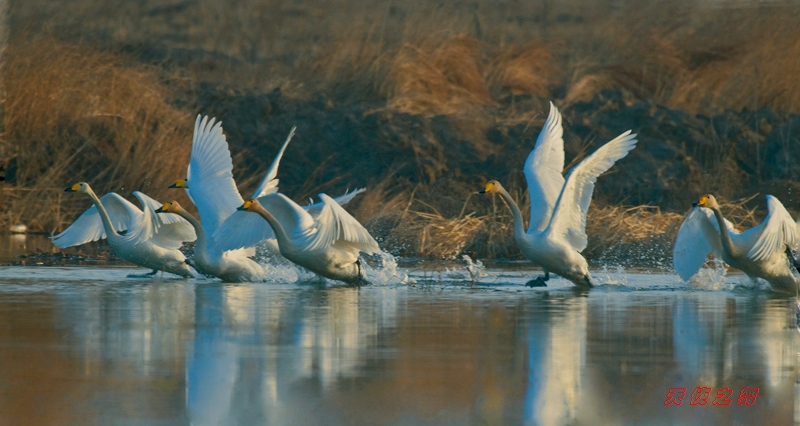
{"points": [[280, 233], [725, 237], [519, 225], [110, 231], [198, 227]]}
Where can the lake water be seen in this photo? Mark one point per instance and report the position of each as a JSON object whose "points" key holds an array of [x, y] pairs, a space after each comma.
{"points": [[88, 345]]}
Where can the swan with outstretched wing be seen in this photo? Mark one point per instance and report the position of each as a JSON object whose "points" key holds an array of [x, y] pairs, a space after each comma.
{"points": [[328, 244], [556, 234], [759, 252], [150, 240]]}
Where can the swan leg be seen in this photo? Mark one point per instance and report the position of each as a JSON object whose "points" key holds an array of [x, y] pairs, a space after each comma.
{"points": [[147, 275], [588, 281], [539, 281], [361, 278], [792, 259]]}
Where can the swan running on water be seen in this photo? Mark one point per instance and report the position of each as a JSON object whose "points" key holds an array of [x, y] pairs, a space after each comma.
{"points": [[151, 240], [212, 189], [557, 230], [759, 252], [327, 245]]}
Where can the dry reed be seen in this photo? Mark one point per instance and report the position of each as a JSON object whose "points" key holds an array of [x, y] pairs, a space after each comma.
{"points": [[73, 114]]}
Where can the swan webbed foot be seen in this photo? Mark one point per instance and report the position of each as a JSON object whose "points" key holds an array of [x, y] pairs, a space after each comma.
{"points": [[537, 282], [147, 275]]}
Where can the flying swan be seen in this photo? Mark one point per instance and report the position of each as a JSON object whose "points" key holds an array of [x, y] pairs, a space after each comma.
{"points": [[151, 240], [557, 230], [759, 252], [212, 189]]}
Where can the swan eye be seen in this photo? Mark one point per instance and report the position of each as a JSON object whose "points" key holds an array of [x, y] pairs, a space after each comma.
{"points": [[488, 187]]}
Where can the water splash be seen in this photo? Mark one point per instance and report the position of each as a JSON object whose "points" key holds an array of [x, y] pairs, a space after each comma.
{"points": [[381, 269], [711, 278], [606, 276], [472, 270]]}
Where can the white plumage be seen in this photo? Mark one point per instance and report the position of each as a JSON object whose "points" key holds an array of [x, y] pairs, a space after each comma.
{"points": [[151, 240], [759, 252], [557, 230], [327, 245], [210, 185]]}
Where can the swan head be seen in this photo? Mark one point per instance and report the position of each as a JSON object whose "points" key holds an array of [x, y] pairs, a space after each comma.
{"points": [[249, 205], [79, 187], [170, 207], [492, 187], [181, 183], [707, 200]]}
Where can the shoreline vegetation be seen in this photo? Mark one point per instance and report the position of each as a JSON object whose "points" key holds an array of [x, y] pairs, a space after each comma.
{"points": [[417, 102]]}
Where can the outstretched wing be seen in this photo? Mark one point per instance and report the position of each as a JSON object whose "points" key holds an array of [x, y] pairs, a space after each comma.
{"points": [[543, 170], [697, 237], [316, 208], [773, 234], [247, 229], [210, 175], [569, 215], [167, 230], [336, 227], [270, 182], [88, 226]]}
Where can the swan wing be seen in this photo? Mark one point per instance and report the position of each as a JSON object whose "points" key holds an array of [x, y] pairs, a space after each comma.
{"points": [[697, 237], [270, 182], [315, 208], [167, 230], [88, 226], [246, 229], [336, 226], [543, 170], [569, 215], [772, 235], [210, 175]]}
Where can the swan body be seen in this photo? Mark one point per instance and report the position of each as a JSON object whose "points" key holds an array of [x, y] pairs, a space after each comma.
{"points": [[211, 187], [151, 240], [327, 245], [556, 232], [229, 266], [759, 252]]}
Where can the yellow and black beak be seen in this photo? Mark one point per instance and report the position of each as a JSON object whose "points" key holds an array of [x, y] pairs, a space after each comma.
{"points": [[487, 189], [163, 209], [73, 188], [246, 206], [701, 202], [182, 183]]}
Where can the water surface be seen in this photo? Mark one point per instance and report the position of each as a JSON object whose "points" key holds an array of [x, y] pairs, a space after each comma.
{"points": [[87, 345]]}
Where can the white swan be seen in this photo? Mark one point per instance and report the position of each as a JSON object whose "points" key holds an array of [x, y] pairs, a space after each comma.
{"points": [[211, 187], [151, 240], [327, 245], [759, 252], [557, 230]]}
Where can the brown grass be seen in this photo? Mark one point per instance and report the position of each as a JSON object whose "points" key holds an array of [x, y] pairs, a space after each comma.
{"points": [[73, 114], [76, 112]]}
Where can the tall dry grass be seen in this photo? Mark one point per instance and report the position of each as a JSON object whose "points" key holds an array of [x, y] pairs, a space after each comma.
{"points": [[76, 114], [437, 58]]}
